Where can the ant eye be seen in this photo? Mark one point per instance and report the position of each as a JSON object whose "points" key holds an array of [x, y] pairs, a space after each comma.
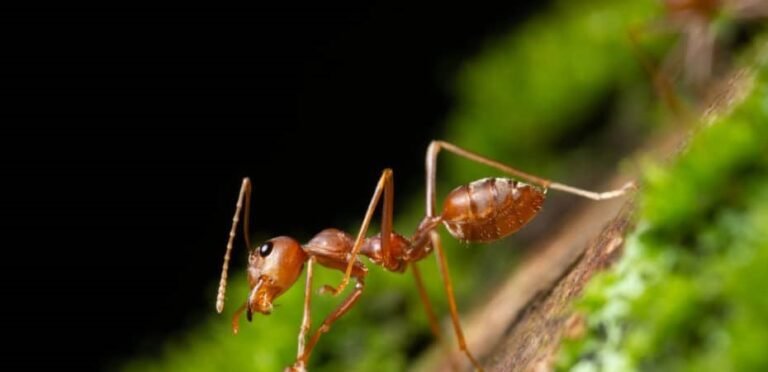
{"points": [[265, 249]]}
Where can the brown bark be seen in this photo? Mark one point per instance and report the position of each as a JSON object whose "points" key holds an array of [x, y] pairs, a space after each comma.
{"points": [[530, 343]]}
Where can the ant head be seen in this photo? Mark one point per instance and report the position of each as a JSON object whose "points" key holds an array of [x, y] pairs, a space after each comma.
{"points": [[273, 267]]}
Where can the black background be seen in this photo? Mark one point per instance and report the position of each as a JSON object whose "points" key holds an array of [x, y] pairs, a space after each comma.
{"points": [[126, 133]]}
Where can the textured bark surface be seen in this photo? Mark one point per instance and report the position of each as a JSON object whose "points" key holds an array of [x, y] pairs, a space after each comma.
{"points": [[530, 343]]}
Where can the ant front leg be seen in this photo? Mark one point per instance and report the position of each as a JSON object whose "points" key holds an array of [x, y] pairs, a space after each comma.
{"points": [[385, 186], [306, 321], [342, 309]]}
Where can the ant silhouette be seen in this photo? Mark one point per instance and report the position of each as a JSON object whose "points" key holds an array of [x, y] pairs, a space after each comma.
{"points": [[481, 211]]}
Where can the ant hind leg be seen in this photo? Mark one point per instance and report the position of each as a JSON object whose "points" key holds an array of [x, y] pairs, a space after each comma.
{"points": [[436, 146]]}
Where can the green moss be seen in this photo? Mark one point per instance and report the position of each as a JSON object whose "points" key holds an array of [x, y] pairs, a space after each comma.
{"points": [[688, 295]]}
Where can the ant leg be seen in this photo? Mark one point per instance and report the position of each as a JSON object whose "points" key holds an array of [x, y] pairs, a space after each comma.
{"points": [[434, 325], [245, 192], [306, 322], [699, 43], [330, 319], [436, 146], [386, 186], [662, 84], [451, 299]]}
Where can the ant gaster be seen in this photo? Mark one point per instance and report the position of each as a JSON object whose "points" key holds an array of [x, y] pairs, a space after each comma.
{"points": [[482, 211]]}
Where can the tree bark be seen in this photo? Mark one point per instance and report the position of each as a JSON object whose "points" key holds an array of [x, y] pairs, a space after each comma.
{"points": [[530, 343]]}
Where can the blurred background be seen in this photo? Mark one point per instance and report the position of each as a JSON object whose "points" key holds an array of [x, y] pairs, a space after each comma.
{"points": [[128, 131]]}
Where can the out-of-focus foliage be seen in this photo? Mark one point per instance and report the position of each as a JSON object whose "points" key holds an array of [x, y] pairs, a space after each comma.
{"points": [[531, 90], [527, 99], [689, 292]]}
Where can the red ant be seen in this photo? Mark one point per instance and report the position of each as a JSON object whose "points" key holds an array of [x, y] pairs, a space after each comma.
{"points": [[482, 211], [695, 20]]}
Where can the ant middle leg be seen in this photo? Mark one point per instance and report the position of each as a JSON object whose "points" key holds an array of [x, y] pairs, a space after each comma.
{"points": [[385, 186]]}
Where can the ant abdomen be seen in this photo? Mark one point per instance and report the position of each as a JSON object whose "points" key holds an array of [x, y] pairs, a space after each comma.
{"points": [[490, 209]]}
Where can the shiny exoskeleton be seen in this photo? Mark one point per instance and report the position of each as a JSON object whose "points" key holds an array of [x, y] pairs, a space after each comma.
{"points": [[490, 209], [482, 211]]}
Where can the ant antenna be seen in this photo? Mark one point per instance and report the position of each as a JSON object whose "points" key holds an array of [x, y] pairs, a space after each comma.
{"points": [[245, 190]]}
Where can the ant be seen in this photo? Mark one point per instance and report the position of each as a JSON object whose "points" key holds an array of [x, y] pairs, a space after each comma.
{"points": [[695, 22], [481, 211]]}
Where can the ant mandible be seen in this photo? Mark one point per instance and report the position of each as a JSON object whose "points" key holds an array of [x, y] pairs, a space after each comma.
{"points": [[482, 211]]}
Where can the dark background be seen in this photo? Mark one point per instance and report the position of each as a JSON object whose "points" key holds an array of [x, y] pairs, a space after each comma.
{"points": [[126, 132]]}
